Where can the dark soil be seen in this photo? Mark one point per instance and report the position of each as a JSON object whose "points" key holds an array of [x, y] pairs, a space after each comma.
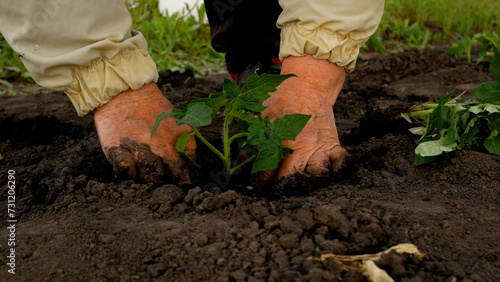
{"points": [[76, 222]]}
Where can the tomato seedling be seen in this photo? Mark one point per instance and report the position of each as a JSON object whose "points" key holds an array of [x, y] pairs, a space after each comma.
{"points": [[255, 131], [449, 125]]}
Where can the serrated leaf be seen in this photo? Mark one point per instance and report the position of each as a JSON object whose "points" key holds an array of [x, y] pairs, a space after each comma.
{"points": [[215, 102], [176, 113], [230, 88], [259, 132], [269, 157], [197, 114], [252, 104], [258, 86], [488, 92], [180, 146], [434, 148], [492, 143], [285, 150], [234, 109], [288, 126]]}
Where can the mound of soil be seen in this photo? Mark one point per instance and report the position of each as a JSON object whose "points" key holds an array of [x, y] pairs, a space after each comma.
{"points": [[76, 222]]}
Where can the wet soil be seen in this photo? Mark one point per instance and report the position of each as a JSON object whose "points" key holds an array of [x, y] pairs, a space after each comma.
{"points": [[76, 222]]}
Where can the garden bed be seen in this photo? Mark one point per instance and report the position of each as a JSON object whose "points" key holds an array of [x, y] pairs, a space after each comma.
{"points": [[76, 222]]}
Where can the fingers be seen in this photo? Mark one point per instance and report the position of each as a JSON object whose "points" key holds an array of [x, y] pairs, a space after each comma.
{"points": [[137, 161], [123, 162], [320, 164], [150, 166], [133, 163], [338, 157]]}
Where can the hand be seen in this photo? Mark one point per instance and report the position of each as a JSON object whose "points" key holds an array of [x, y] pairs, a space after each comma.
{"points": [[317, 149], [124, 126]]}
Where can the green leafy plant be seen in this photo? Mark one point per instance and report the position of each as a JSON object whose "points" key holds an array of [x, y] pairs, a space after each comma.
{"points": [[449, 125], [254, 131], [176, 41], [486, 40]]}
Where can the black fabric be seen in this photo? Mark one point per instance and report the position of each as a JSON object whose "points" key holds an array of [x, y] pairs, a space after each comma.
{"points": [[245, 30]]}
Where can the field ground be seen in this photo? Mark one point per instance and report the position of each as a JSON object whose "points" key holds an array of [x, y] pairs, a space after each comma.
{"points": [[76, 222]]}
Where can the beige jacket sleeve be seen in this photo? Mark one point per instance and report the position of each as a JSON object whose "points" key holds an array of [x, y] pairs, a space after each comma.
{"points": [[328, 29], [84, 48]]}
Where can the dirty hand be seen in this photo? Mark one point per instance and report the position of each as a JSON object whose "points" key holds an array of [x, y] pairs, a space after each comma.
{"points": [[317, 149], [124, 126]]}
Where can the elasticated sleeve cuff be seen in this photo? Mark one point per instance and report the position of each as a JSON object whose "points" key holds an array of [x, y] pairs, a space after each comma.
{"points": [[97, 83], [333, 30], [322, 44]]}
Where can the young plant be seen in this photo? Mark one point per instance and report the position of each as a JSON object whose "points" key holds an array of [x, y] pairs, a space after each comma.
{"points": [[255, 132], [486, 40], [449, 125]]}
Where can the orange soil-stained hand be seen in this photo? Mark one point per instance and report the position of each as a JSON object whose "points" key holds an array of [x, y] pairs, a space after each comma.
{"points": [[317, 149], [124, 126]]}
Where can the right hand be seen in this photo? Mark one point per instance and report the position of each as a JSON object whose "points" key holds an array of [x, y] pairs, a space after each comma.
{"points": [[124, 126]]}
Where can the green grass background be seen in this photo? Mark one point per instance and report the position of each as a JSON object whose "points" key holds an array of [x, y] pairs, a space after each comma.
{"points": [[179, 42]]}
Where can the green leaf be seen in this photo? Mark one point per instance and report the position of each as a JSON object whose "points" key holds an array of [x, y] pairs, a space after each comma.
{"points": [[452, 132], [492, 108], [434, 148], [418, 130], [259, 132], [230, 88], [495, 63], [215, 102], [406, 117], [288, 126], [176, 113], [445, 99], [440, 117], [197, 114], [258, 86], [234, 109], [180, 146], [269, 157], [494, 121], [252, 104], [419, 160], [466, 140], [464, 45], [492, 143], [488, 92]]}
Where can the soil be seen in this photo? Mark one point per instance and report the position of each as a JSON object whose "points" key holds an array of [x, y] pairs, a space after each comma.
{"points": [[76, 222]]}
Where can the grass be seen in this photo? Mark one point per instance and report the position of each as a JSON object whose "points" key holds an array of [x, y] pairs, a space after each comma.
{"points": [[178, 42], [419, 23]]}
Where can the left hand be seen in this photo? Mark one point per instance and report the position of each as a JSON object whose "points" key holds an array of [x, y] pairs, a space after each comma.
{"points": [[317, 149]]}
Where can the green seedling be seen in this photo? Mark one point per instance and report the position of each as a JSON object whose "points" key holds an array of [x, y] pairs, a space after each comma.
{"points": [[487, 42], [254, 131], [448, 125]]}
